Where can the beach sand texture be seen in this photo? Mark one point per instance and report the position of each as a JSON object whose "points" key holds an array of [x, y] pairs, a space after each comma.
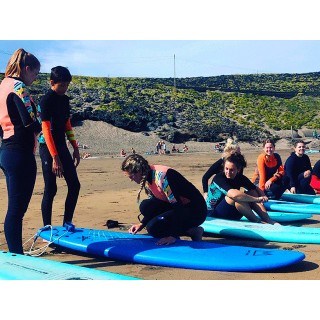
{"points": [[107, 194]]}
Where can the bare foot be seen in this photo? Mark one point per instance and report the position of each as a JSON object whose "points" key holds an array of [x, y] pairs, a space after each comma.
{"points": [[195, 233], [166, 240]]}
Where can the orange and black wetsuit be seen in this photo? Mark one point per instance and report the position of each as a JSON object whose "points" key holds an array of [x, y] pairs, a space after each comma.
{"points": [[270, 168], [54, 110]]}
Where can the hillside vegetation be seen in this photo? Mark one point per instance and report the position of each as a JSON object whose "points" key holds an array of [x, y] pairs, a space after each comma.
{"points": [[250, 107]]}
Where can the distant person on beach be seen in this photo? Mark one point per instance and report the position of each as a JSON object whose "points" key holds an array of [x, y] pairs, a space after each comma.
{"points": [[230, 147], [315, 177], [185, 148], [20, 127], [86, 155], [174, 149], [175, 207], [269, 174], [298, 169], [226, 201], [54, 110], [122, 153]]}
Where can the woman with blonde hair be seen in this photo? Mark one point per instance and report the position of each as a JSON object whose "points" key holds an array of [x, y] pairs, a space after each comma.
{"points": [[175, 207], [20, 126], [230, 147]]}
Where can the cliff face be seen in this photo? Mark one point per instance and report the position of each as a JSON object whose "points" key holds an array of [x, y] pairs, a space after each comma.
{"points": [[249, 108]]}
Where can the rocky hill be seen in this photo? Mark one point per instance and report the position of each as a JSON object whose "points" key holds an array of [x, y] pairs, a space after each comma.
{"points": [[248, 107]]}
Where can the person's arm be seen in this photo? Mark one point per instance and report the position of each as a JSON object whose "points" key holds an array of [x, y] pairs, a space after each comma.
{"points": [[27, 111], [71, 137], [261, 171], [289, 170], [214, 169], [57, 168], [240, 196]]}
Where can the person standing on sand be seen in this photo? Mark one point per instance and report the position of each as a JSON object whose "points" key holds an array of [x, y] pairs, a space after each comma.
{"points": [[298, 169], [56, 159], [175, 207], [270, 174], [20, 127], [226, 201]]}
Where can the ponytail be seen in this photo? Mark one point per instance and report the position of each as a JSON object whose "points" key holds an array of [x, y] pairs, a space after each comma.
{"points": [[135, 163]]}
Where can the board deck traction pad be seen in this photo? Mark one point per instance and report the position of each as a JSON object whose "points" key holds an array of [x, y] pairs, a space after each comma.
{"points": [[187, 254]]}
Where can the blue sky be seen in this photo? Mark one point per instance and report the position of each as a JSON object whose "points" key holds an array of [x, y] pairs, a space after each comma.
{"points": [[155, 58], [140, 38]]}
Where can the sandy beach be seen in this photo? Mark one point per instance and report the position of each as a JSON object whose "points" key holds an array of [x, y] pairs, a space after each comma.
{"points": [[107, 194]]}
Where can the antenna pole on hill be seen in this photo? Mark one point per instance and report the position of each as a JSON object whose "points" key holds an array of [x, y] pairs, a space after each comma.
{"points": [[174, 71]]}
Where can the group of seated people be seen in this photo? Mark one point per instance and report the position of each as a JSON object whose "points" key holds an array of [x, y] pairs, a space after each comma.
{"points": [[269, 181]]}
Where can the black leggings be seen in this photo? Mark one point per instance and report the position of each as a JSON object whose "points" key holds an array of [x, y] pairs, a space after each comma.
{"points": [[303, 185], [164, 219], [50, 183]]}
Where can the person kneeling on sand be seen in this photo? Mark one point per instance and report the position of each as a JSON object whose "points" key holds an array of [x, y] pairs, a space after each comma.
{"points": [[226, 201], [174, 208]]}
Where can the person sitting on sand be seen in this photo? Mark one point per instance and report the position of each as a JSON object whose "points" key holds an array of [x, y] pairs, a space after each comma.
{"points": [[175, 207], [269, 174], [86, 155], [185, 148], [230, 148], [298, 169], [122, 153], [315, 177], [174, 149], [226, 201]]}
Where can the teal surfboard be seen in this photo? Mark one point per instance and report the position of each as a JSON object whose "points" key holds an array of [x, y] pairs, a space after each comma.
{"points": [[285, 206], [143, 249], [302, 198], [261, 231], [22, 267], [279, 216]]}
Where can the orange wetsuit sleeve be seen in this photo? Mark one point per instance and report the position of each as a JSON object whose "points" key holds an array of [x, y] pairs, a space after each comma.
{"points": [[262, 171], [70, 134], [46, 130], [278, 175]]}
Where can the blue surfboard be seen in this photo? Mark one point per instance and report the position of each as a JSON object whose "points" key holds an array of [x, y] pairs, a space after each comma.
{"points": [[285, 206], [143, 249], [302, 198], [261, 231], [22, 267], [279, 216]]}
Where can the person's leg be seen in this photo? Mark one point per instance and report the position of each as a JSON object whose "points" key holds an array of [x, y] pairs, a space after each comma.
{"points": [[304, 185], [50, 185], [152, 207], [20, 170], [259, 208], [225, 210], [71, 178]]}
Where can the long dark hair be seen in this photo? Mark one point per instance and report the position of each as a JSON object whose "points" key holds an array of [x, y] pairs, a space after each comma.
{"points": [[135, 163], [238, 159]]}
